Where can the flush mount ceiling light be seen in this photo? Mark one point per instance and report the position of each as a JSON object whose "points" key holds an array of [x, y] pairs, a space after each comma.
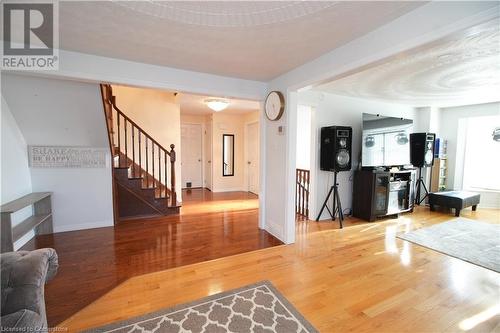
{"points": [[217, 104]]}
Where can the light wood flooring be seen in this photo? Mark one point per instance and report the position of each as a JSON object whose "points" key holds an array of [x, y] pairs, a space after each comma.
{"points": [[93, 262], [358, 279]]}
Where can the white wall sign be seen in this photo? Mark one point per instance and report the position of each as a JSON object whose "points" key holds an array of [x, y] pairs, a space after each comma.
{"points": [[66, 157]]}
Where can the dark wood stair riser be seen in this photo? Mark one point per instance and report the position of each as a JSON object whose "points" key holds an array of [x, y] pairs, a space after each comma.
{"points": [[147, 195], [135, 187], [138, 184], [130, 205]]}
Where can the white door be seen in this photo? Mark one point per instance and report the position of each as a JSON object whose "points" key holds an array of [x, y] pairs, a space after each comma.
{"points": [[208, 156], [253, 157], [191, 163]]}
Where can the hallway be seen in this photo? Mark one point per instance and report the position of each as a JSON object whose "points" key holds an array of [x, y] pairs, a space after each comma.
{"points": [[93, 262]]}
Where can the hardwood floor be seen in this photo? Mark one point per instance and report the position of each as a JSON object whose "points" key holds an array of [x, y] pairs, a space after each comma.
{"points": [[94, 262], [361, 278]]}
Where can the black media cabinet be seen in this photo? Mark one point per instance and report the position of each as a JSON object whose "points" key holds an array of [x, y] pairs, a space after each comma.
{"points": [[378, 193]]}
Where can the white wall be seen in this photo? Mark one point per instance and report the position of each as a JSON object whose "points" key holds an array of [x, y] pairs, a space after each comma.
{"points": [[451, 129], [303, 154], [250, 118], [16, 178], [228, 124], [335, 110], [215, 125], [428, 120], [15, 174], [58, 112], [92, 68], [158, 113]]}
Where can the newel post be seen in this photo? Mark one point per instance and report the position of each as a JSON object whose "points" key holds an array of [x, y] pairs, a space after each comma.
{"points": [[172, 175]]}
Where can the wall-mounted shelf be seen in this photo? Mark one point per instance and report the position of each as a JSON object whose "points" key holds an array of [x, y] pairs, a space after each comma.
{"points": [[40, 221], [438, 175]]}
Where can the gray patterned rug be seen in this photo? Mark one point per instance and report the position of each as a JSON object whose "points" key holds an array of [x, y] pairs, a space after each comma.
{"points": [[472, 241], [256, 308]]}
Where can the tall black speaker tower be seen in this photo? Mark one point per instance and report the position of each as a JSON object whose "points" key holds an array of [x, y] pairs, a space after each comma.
{"points": [[336, 146], [421, 155], [422, 149], [335, 155]]}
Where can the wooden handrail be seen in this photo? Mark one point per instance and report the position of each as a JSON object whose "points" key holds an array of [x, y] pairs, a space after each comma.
{"points": [[172, 177], [112, 102]]}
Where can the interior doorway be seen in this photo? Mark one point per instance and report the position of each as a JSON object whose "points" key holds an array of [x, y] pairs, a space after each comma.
{"points": [[208, 156], [304, 173], [191, 159], [252, 152]]}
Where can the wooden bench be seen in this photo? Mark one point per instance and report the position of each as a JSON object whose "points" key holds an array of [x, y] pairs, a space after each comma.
{"points": [[454, 199], [40, 221]]}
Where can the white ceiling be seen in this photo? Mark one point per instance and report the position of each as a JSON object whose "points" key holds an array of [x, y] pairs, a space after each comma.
{"points": [[255, 40], [195, 105], [459, 70]]}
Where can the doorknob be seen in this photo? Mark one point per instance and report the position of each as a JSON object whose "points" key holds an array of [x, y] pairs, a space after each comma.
{"points": [[249, 162], [199, 160], [209, 161]]}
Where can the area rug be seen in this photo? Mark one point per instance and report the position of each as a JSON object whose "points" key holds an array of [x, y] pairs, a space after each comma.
{"points": [[472, 241], [256, 308]]}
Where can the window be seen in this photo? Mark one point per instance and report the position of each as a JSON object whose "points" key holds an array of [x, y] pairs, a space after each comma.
{"points": [[482, 155]]}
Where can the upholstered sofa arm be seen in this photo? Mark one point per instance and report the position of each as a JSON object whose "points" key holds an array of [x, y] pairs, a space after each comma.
{"points": [[23, 319], [23, 275], [53, 265]]}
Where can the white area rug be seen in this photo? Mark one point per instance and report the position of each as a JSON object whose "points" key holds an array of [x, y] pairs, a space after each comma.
{"points": [[472, 241]]}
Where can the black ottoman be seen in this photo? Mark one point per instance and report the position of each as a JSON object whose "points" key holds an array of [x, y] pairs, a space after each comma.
{"points": [[454, 199]]}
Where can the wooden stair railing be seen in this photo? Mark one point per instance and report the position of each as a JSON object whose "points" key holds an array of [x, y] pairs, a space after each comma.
{"points": [[302, 181], [137, 150]]}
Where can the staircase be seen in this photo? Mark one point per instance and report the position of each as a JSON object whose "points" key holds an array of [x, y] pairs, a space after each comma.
{"points": [[142, 168]]}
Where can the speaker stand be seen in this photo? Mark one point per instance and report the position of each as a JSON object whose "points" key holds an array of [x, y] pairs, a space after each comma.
{"points": [[420, 183], [337, 205]]}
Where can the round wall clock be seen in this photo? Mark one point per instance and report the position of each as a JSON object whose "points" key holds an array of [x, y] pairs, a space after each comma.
{"points": [[274, 105]]}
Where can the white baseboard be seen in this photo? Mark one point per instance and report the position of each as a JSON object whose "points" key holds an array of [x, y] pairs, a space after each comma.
{"points": [[233, 189], [82, 226], [276, 230]]}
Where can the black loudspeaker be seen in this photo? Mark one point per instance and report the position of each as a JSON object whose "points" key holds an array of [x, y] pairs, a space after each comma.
{"points": [[422, 149], [336, 144]]}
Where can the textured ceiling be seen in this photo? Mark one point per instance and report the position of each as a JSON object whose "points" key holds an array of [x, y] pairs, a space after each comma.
{"points": [[458, 70], [194, 104], [256, 40]]}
